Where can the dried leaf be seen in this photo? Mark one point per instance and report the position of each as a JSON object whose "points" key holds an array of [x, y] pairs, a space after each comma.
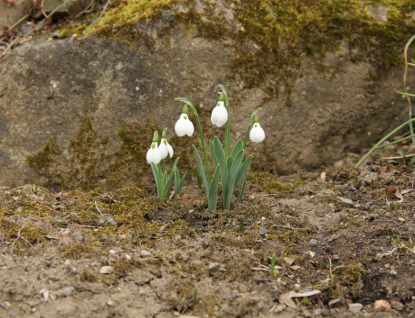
{"points": [[391, 190], [107, 218], [289, 260], [323, 176], [286, 298], [399, 196]]}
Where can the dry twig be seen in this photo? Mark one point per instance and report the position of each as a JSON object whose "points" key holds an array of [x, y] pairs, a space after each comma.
{"points": [[19, 236]]}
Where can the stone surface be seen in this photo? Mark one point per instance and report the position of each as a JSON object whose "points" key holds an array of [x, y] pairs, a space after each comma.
{"points": [[69, 9], [10, 15], [44, 88]]}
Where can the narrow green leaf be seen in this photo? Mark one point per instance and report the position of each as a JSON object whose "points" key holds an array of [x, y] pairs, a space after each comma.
{"points": [[156, 173], [177, 185], [220, 155], [237, 148], [167, 184], [236, 164], [213, 191], [201, 169], [182, 180], [212, 152], [237, 178], [242, 171], [242, 190], [229, 163]]}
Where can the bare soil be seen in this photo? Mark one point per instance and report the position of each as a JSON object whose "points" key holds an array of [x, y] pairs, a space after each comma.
{"points": [[333, 243]]}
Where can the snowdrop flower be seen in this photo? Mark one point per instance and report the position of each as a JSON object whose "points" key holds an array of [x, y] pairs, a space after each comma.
{"points": [[184, 126], [153, 154], [257, 134], [165, 148], [219, 115]]}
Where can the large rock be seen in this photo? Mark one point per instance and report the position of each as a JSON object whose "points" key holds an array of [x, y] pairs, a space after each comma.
{"points": [[44, 88]]}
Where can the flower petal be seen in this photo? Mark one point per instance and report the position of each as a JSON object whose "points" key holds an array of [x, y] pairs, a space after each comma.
{"points": [[189, 127], [170, 149], [163, 148]]}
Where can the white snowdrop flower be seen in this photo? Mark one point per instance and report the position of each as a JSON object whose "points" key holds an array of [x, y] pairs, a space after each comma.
{"points": [[219, 115], [184, 126], [257, 134], [153, 154], [165, 148]]}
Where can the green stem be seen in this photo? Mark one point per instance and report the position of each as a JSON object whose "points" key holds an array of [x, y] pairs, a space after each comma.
{"points": [[395, 142], [247, 133], [160, 177], [381, 141], [228, 124], [199, 127]]}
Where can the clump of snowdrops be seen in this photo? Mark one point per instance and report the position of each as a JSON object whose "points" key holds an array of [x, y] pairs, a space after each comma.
{"points": [[230, 164]]}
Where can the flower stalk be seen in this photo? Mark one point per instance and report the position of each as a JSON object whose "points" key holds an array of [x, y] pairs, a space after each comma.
{"points": [[199, 127]]}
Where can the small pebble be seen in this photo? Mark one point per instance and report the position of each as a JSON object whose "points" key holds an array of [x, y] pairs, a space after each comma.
{"points": [[5, 304], [311, 253], [263, 231], [110, 303], [373, 217], [308, 289], [382, 305], [145, 253], [65, 292], [213, 265], [313, 242], [397, 305], [106, 269], [318, 312], [334, 302], [355, 308]]}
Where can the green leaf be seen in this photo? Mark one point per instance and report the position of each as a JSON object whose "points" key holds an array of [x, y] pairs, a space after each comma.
{"points": [[220, 155], [241, 173], [177, 185], [212, 152], [201, 169], [156, 173], [167, 184], [242, 190], [229, 163], [236, 164], [326, 191], [213, 191], [237, 148], [182, 180]]}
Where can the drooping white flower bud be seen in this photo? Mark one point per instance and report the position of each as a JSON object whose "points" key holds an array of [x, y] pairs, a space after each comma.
{"points": [[219, 115], [153, 154], [257, 134], [165, 148], [184, 126]]}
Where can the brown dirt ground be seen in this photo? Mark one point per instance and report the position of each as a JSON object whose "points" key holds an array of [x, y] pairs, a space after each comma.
{"points": [[174, 258]]}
